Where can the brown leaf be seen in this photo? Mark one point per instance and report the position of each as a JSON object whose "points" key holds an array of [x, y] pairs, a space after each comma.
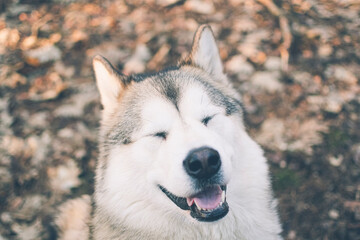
{"points": [[46, 87]]}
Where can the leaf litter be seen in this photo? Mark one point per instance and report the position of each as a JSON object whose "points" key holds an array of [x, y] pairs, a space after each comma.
{"points": [[296, 64]]}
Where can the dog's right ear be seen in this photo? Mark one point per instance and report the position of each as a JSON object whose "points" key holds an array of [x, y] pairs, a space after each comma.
{"points": [[109, 82], [205, 53]]}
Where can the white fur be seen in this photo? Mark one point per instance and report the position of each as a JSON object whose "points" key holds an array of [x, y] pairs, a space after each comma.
{"points": [[108, 84], [130, 204], [206, 55], [133, 172]]}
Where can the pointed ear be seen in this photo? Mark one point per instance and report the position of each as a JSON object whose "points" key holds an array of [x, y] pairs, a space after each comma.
{"points": [[204, 52], [109, 82]]}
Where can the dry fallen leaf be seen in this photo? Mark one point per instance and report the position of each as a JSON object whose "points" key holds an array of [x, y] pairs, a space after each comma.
{"points": [[10, 78], [64, 177], [46, 87], [41, 55]]}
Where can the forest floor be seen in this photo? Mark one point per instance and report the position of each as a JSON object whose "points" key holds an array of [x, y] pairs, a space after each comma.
{"points": [[296, 64]]}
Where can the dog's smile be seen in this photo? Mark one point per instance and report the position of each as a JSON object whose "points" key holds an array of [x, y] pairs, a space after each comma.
{"points": [[207, 205]]}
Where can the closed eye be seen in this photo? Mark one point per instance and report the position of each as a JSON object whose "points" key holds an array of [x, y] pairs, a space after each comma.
{"points": [[162, 135], [206, 120]]}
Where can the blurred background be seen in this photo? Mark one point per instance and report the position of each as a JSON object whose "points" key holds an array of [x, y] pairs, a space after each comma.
{"points": [[295, 62]]}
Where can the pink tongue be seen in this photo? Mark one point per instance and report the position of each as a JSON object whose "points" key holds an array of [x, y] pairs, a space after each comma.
{"points": [[208, 199]]}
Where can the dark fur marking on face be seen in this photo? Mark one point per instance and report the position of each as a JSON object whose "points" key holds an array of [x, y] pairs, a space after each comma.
{"points": [[163, 82], [217, 97], [142, 76], [128, 123], [118, 138], [126, 141], [172, 94], [166, 84]]}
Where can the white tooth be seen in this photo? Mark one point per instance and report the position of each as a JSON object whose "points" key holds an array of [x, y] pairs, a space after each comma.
{"points": [[223, 195]]}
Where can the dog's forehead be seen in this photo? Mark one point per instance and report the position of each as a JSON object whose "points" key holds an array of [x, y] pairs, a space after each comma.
{"points": [[178, 86], [188, 100], [184, 92]]}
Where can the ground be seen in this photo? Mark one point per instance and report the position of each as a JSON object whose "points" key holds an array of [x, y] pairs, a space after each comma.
{"points": [[296, 64]]}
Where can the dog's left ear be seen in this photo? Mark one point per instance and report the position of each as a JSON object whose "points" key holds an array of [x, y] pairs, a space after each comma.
{"points": [[110, 83], [204, 52]]}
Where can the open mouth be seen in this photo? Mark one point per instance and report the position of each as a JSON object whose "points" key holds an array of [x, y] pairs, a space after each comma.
{"points": [[207, 205]]}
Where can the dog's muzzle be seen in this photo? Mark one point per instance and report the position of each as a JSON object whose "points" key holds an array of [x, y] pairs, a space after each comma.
{"points": [[209, 204]]}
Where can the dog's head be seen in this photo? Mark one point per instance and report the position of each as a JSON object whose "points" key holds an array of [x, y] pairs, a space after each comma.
{"points": [[168, 140]]}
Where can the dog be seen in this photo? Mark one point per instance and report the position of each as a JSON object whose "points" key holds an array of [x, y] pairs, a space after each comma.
{"points": [[175, 161]]}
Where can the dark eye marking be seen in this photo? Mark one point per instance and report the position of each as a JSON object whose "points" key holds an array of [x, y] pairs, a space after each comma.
{"points": [[163, 135], [206, 120]]}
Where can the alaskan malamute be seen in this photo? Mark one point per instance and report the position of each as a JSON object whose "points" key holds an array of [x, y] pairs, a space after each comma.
{"points": [[175, 160]]}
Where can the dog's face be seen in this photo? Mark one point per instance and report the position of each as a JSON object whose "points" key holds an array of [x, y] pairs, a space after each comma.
{"points": [[168, 140]]}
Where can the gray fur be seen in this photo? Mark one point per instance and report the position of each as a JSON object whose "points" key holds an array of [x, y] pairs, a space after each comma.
{"points": [[167, 84]]}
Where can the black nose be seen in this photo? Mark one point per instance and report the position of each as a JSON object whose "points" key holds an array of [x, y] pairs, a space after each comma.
{"points": [[202, 163]]}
